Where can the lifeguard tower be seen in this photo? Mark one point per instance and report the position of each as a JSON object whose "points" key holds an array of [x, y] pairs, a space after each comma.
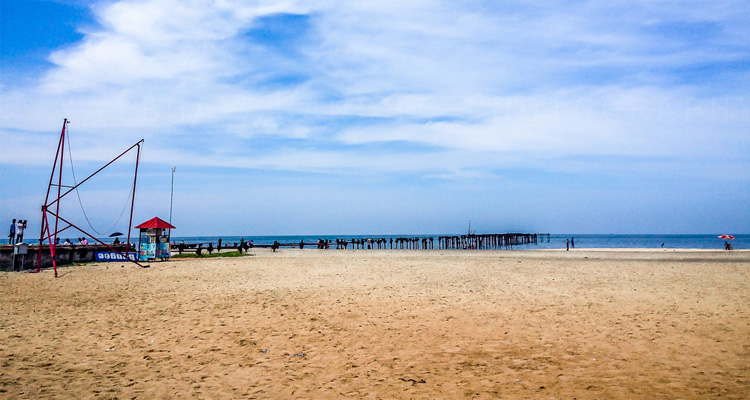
{"points": [[153, 241]]}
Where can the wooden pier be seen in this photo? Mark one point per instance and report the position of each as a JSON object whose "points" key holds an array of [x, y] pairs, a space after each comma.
{"points": [[493, 241]]}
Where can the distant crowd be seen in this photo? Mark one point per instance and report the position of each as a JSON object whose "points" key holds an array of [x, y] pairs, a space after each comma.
{"points": [[242, 245]]}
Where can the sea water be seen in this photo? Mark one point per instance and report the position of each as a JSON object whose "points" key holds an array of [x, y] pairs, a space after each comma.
{"points": [[554, 241]]}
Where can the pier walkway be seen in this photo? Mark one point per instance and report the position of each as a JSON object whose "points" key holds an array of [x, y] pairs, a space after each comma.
{"points": [[494, 241]]}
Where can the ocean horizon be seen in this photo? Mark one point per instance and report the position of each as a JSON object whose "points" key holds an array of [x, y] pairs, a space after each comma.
{"points": [[553, 241]]}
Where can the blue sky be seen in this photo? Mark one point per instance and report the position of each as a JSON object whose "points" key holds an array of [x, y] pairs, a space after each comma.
{"points": [[338, 117]]}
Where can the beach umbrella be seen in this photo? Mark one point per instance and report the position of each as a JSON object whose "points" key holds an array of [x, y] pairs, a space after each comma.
{"points": [[116, 234], [726, 237]]}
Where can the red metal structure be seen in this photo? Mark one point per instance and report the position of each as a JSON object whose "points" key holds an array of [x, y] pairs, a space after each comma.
{"points": [[51, 234]]}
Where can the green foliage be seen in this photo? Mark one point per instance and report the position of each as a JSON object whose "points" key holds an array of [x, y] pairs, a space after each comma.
{"points": [[205, 254]]}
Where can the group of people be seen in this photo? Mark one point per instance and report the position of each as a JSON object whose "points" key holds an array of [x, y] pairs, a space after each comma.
{"points": [[16, 231], [81, 240], [242, 245]]}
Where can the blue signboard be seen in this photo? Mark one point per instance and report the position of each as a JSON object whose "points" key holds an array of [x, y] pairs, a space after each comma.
{"points": [[148, 251], [162, 251], [113, 256]]}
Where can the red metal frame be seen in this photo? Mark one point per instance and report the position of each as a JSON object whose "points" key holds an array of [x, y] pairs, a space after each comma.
{"points": [[51, 236]]}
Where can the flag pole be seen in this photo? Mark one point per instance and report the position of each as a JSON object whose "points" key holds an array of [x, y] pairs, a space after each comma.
{"points": [[171, 199]]}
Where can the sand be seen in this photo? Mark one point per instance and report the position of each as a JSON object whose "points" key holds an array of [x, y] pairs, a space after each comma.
{"points": [[375, 324]]}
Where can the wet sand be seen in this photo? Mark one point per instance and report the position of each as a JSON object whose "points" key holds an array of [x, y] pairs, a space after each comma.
{"points": [[381, 324]]}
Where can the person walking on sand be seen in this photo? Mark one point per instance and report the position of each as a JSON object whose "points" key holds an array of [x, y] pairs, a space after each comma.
{"points": [[12, 235], [567, 244], [573, 243]]}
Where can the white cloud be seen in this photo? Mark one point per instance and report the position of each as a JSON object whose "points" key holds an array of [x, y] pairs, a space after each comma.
{"points": [[507, 78]]}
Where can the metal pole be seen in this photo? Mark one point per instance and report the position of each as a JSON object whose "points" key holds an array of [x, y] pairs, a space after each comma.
{"points": [[171, 200], [41, 239], [60, 150], [132, 201], [52, 240], [51, 245], [171, 196]]}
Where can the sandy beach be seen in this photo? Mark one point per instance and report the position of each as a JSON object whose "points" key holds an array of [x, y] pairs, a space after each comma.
{"points": [[384, 324]]}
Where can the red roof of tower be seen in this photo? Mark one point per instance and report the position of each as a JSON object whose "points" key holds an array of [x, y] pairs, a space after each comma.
{"points": [[155, 222]]}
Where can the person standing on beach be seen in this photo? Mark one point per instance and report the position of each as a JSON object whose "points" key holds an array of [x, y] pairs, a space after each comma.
{"points": [[567, 244], [573, 243], [19, 231], [12, 235]]}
